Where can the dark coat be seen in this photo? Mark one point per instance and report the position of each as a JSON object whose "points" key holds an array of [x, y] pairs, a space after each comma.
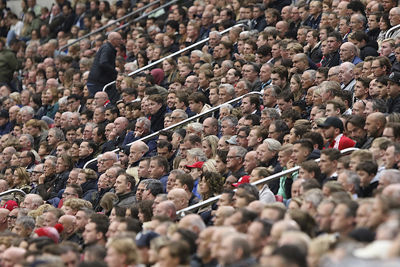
{"points": [[332, 60], [157, 120], [367, 191], [125, 200], [393, 104], [103, 68], [371, 49], [47, 190]]}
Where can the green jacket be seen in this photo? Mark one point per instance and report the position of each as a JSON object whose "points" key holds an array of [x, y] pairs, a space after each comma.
{"points": [[8, 64]]}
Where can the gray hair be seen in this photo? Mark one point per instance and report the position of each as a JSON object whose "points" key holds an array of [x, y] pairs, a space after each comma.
{"points": [[312, 73], [36, 199], [31, 140], [274, 89], [153, 28], [229, 88], [216, 34], [63, 101], [233, 121], [272, 113], [196, 126], [67, 113], [26, 221], [182, 114], [53, 160], [197, 153], [352, 178], [197, 53], [228, 63], [392, 175], [111, 155], [273, 145], [239, 151], [314, 196], [227, 106], [27, 109], [59, 133], [146, 122]]}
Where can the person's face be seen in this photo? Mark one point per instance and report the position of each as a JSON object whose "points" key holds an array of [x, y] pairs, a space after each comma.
{"points": [[377, 69], [299, 154], [84, 150], [90, 235], [121, 185], [282, 104], [165, 259], [329, 133], [326, 165], [323, 218], [340, 222], [49, 219], [272, 132], [355, 133], [362, 216], [48, 168]]}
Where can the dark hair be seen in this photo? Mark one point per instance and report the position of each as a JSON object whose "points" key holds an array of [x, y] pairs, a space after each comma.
{"points": [[311, 166], [101, 221], [306, 144], [155, 187], [186, 179], [368, 166], [145, 207], [291, 254], [331, 153]]}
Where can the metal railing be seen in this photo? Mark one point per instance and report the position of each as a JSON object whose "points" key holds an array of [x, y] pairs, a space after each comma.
{"points": [[278, 175], [391, 30], [12, 191], [193, 118], [145, 15], [172, 55], [116, 21]]}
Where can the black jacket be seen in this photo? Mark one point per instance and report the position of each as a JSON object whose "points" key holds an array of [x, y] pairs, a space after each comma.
{"points": [[332, 60], [367, 191], [393, 104], [371, 49], [103, 68], [157, 120], [47, 190]]}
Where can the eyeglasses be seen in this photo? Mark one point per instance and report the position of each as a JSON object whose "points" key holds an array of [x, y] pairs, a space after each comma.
{"points": [[232, 157], [36, 172], [11, 217]]}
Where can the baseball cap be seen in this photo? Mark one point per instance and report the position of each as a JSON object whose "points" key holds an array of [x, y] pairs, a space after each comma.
{"points": [[243, 180], [332, 121], [232, 140], [394, 77], [143, 238], [198, 165]]}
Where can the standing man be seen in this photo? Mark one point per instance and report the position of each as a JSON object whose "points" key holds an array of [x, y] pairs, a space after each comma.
{"points": [[103, 68]]}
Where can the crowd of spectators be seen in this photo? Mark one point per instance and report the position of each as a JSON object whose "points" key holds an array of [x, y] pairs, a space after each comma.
{"points": [[315, 78]]}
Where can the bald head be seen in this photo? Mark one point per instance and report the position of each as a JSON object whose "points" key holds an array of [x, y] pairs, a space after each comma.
{"points": [[12, 256], [179, 197], [32, 201], [52, 83], [3, 185], [348, 51], [3, 214], [192, 222], [166, 208], [115, 39]]}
